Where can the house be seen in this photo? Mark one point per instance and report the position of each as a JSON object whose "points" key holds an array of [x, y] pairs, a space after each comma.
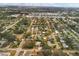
{"points": [[2, 42]]}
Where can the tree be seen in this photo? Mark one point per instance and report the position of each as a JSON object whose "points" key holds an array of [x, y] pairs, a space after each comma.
{"points": [[45, 46], [29, 44], [27, 34], [18, 30], [0, 36], [47, 52], [8, 36]]}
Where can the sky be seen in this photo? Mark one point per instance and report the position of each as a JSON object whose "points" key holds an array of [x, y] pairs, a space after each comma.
{"points": [[56, 3], [67, 5], [39, 1], [43, 4]]}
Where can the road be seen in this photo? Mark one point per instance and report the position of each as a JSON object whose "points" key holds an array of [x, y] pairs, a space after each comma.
{"points": [[10, 26], [35, 30], [23, 40], [63, 17]]}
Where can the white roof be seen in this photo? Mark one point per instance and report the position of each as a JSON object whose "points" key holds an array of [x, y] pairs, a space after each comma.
{"points": [[38, 43], [65, 46], [56, 31]]}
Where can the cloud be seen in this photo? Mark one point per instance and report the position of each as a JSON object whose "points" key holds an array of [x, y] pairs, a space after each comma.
{"points": [[67, 5], [43, 4]]}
